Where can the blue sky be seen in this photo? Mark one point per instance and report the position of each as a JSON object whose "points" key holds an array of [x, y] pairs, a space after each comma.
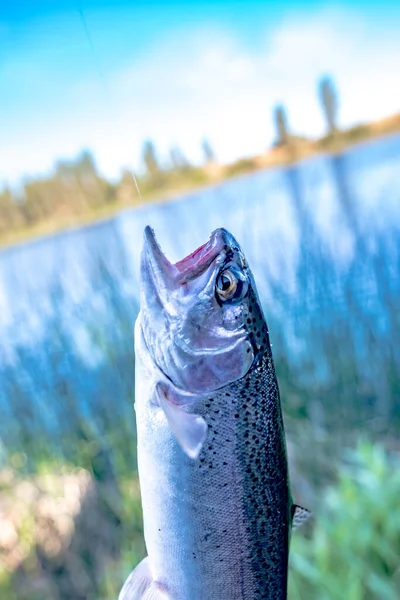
{"points": [[176, 72]]}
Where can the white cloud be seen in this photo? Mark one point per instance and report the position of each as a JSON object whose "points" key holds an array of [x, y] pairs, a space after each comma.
{"points": [[207, 83]]}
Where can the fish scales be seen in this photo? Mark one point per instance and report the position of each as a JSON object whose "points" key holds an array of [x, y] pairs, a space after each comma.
{"points": [[217, 524]]}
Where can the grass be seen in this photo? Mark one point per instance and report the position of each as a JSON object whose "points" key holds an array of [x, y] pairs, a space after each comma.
{"points": [[353, 547], [351, 544]]}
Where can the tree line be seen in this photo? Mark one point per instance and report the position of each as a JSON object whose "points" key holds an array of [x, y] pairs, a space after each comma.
{"points": [[329, 103], [76, 187]]}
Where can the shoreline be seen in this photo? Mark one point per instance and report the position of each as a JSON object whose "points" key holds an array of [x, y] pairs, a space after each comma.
{"points": [[297, 150]]}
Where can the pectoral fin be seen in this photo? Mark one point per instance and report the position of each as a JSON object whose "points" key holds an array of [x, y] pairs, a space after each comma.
{"points": [[140, 585], [299, 515], [190, 430]]}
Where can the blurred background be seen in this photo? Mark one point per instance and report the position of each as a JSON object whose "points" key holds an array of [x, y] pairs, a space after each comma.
{"points": [[278, 121]]}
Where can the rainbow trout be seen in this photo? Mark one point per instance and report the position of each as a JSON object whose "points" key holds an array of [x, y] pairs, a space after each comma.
{"points": [[213, 471]]}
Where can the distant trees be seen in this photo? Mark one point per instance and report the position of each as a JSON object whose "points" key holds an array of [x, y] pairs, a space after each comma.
{"points": [[208, 152], [73, 188], [179, 161], [329, 101], [150, 159], [281, 125], [154, 176], [83, 167], [126, 189], [10, 215], [81, 177], [328, 98], [76, 186]]}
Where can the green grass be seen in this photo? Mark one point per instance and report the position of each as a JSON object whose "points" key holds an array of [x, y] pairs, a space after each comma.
{"points": [[349, 549], [353, 550]]}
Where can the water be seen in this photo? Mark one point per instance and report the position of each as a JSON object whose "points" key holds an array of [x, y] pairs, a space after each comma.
{"points": [[322, 238]]}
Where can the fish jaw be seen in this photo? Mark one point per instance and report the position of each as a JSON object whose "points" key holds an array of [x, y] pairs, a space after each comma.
{"points": [[196, 343]]}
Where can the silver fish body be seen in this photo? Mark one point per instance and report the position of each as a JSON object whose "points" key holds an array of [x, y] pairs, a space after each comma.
{"points": [[213, 471]]}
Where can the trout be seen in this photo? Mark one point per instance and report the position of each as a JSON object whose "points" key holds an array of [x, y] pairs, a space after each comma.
{"points": [[217, 506]]}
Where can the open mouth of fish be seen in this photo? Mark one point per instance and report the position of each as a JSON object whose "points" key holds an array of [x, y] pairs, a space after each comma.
{"points": [[195, 263]]}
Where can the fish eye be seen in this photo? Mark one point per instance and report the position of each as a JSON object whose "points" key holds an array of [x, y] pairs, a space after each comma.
{"points": [[231, 284]]}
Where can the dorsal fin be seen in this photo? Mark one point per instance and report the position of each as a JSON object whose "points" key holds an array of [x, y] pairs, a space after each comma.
{"points": [[299, 515]]}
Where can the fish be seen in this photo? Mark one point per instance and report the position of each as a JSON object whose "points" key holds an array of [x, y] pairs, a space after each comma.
{"points": [[212, 460]]}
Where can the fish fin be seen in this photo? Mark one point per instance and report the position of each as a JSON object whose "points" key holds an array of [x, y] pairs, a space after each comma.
{"points": [[156, 592], [299, 515], [140, 585], [190, 430], [138, 582]]}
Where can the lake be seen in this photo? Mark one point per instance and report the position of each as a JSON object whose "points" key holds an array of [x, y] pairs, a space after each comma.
{"points": [[323, 240]]}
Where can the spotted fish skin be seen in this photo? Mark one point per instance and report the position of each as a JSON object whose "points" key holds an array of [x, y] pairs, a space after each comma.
{"points": [[217, 525]]}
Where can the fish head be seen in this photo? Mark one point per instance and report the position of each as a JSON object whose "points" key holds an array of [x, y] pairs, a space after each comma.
{"points": [[200, 318]]}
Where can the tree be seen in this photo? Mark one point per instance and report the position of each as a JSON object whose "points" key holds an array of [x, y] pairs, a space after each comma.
{"points": [[81, 167], [208, 152], [178, 159], [10, 215], [281, 125], [150, 159], [127, 189], [329, 101], [80, 184]]}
